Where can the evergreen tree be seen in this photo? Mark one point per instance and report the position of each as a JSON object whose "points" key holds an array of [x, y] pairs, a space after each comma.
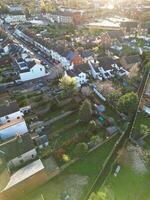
{"points": [[85, 111]]}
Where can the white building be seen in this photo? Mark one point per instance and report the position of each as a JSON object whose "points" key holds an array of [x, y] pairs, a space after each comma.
{"points": [[4, 51], [79, 73], [13, 127], [34, 72], [15, 8], [1, 22], [15, 19], [11, 121], [9, 112], [106, 68], [81, 79], [60, 17]]}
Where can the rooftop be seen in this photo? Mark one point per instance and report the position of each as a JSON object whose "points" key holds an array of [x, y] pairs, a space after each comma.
{"points": [[133, 59], [106, 62], [24, 173], [11, 123], [9, 108], [17, 146]]}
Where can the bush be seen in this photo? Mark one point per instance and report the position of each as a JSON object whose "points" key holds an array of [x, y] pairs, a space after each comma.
{"points": [[53, 105], [23, 103], [81, 149], [59, 153]]}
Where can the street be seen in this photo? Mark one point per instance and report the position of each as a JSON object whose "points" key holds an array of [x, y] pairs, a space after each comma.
{"points": [[36, 53]]}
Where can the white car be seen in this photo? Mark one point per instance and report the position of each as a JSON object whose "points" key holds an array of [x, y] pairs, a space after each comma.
{"points": [[117, 170]]}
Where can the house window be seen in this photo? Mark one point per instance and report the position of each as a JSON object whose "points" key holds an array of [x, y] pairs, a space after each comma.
{"points": [[7, 117], [32, 156]]}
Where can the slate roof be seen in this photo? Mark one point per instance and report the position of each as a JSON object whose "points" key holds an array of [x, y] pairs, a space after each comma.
{"points": [[78, 69], [70, 55], [60, 13], [131, 24], [106, 62], [13, 49], [133, 59], [1, 51], [72, 73], [86, 54], [116, 34], [146, 25], [17, 146], [82, 68], [41, 140], [9, 109]]}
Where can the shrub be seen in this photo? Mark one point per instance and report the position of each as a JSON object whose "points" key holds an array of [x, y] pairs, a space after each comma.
{"points": [[81, 149]]}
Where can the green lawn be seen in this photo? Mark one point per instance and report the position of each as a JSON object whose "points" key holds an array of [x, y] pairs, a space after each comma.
{"points": [[128, 185], [142, 119], [65, 121], [92, 164], [72, 132], [88, 167], [52, 114]]}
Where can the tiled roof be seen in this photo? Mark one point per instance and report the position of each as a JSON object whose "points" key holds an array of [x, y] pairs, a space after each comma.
{"points": [[9, 109], [41, 140], [17, 146], [133, 59]]}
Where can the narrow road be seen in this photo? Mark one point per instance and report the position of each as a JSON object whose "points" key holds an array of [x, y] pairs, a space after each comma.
{"points": [[107, 166]]}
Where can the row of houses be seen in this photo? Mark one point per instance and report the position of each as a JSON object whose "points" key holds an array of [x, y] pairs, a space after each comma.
{"points": [[16, 142], [23, 65], [78, 64]]}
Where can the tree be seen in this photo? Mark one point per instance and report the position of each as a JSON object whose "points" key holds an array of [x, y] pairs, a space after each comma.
{"points": [[98, 196], [128, 103], [147, 66], [27, 12], [144, 130], [95, 139], [92, 126], [81, 149], [3, 7], [85, 111], [68, 85], [107, 194], [42, 5], [113, 97]]}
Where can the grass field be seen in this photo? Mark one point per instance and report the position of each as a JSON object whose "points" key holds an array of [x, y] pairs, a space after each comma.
{"points": [[83, 172], [129, 185], [142, 119]]}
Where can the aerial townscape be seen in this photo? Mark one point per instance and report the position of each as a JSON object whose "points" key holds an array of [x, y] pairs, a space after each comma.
{"points": [[74, 99]]}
